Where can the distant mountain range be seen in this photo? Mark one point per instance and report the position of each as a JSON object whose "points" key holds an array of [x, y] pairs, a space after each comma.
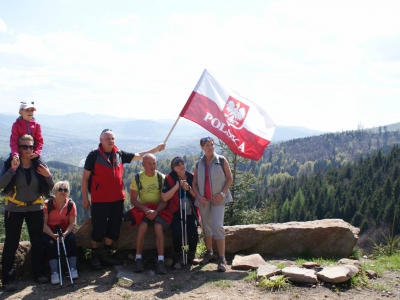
{"points": [[68, 138]]}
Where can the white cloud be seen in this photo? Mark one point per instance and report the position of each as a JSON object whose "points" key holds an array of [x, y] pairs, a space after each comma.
{"points": [[3, 26]]}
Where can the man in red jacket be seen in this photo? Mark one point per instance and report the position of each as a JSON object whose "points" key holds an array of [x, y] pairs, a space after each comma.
{"points": [[105, 167]]}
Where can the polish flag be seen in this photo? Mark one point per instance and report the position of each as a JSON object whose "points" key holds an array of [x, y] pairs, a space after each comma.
{"points": [[239, 122]]}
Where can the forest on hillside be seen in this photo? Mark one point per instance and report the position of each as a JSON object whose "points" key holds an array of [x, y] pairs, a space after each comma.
{"points": [[353, 175]]}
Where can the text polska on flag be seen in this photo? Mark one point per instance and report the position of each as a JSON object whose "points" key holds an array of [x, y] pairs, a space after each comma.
{"points": [[240, 123]]}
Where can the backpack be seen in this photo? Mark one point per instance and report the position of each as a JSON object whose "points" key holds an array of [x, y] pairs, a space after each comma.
{"points": [[51, 207], [91, 173], [221, 162], [140, 186]]}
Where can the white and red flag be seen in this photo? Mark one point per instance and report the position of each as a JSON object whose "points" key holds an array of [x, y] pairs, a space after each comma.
{"points": [[239, 122]]}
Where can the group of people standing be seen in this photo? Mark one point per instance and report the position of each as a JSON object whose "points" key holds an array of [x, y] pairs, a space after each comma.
{"points": [[156, 200]]}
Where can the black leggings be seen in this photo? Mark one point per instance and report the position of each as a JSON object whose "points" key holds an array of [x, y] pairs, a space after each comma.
{"points": [[51, 246], [192, 234], [13, 224]]}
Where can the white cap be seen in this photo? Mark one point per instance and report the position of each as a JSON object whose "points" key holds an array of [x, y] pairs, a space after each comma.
{"points": [[25, 105]]}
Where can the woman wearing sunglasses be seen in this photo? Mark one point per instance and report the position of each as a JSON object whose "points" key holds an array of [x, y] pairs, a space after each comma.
{"points": [[177, 186], [24, 181], [211, 183], [60, 214]]}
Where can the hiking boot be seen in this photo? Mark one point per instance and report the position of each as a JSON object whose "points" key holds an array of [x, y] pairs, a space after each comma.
{"points": [[42, 279], [161, 267], [95, 261], [74, 273], [207, 257], [221, 264], [10, 286], [138, 266], [107, 258], [54, 278]]}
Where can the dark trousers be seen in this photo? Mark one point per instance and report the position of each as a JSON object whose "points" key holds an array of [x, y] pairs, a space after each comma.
{"points": [[192, 234], [13, 224], [51, 246]]}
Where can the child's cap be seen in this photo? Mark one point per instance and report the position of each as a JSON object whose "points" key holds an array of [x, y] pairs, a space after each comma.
{"points": [[25, 105]]}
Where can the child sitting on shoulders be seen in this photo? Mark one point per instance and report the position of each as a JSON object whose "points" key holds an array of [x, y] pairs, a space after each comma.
{"points": [[26, 124]]}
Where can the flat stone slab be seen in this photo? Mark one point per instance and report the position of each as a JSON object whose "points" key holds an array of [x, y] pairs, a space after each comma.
{"points": [[334, 274], [300, 275], [267, 271], [248, 262]]}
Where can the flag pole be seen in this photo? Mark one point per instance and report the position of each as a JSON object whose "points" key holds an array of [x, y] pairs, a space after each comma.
{"points": [[172, 129]]}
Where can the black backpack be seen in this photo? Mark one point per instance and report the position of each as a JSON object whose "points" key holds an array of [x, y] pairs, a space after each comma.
{"points": [[140, 186], [50, 206]]}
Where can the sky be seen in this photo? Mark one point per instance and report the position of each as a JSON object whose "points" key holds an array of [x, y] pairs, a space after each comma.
{"points": [[321, 64]]}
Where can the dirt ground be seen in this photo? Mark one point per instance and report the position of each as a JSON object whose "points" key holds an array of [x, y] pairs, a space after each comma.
{"points": [[197, 282]]}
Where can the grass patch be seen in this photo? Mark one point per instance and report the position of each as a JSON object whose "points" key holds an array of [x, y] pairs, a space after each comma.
{"points": [[223, 283], [384, 263], [251, 276], [280, 283], [321, 261]]}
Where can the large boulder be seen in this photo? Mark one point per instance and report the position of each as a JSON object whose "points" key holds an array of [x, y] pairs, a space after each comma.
{"points": [[328, 237], [22, 259]]}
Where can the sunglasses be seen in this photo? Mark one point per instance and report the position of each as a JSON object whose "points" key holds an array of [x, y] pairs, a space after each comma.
{"points": [[26, 147], [178, 163], [207, 138], [60, 189]]}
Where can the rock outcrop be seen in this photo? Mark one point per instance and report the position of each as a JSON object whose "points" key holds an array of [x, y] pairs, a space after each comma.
{"points": [[328, 237]]}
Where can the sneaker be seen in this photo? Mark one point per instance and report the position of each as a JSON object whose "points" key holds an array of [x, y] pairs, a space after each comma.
{"points": [[161, 267], [107, 258], [221, 264], [42, 279], [95, 262], [10, 286], [55, 279], [138, 265], [207, 257], [74, 273]]}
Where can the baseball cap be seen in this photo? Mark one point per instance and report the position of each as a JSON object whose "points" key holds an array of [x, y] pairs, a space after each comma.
{"points": [[25, 105]]}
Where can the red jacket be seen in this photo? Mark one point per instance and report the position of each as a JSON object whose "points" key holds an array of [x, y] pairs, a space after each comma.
{"points": [[139, 214], [107, 184], [21, 127]]}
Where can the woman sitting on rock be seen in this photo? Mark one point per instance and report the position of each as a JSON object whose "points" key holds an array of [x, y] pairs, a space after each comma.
{"points": [[60, 212]]}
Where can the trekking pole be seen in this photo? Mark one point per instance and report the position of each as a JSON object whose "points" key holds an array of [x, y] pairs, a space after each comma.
{"points": [[59, 259], [183, 241], [185, 230], [65, 253]]}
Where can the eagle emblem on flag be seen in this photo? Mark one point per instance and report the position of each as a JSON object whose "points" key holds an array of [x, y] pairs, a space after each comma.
{"points": [[235, 112]]}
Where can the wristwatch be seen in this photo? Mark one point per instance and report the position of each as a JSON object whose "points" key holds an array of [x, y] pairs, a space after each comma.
{"points": [[223, 194]]}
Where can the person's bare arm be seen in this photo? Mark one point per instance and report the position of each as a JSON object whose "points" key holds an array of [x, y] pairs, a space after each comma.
{"points": [[139, 156], [85, 190]]}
